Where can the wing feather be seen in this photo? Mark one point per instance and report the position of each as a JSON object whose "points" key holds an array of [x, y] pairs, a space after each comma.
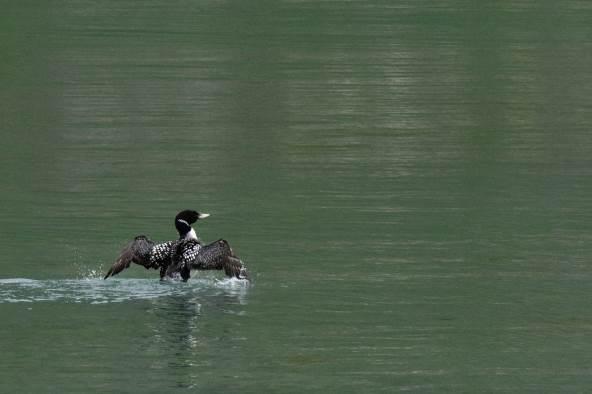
{"points": [[137, 251], [219, 256]]}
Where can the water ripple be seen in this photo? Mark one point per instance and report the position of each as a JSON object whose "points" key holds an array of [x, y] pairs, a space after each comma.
{"points": [[98, 291]]}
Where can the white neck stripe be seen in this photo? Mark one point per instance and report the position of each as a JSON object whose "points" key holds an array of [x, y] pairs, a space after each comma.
{"points": [[191, 235]]}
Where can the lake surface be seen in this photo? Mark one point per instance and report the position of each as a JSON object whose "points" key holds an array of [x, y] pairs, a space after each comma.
{"points": [[408, 182]]}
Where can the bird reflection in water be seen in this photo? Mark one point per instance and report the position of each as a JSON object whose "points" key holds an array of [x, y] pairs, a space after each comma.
{"points": [[191, 328]]}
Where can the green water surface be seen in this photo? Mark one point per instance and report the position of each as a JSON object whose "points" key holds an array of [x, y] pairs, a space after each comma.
{"points": [[409, 183]]}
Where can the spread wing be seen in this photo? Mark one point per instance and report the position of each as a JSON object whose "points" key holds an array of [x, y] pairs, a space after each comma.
{"points": [[219, 256], [137, 251], [191, 254]]}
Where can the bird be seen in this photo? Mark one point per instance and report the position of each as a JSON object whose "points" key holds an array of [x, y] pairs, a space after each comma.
{"points": [[180, 255]]}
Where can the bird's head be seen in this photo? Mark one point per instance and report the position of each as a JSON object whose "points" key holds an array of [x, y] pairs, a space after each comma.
{"points": [[185, 219]]}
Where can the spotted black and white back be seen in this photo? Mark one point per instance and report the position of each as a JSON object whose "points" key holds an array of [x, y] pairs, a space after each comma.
{"points": [[186, 252], [160, 255]]}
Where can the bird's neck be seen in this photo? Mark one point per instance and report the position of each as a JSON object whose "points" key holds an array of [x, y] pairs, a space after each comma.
{"points": [[191, 235], [185, 230]]}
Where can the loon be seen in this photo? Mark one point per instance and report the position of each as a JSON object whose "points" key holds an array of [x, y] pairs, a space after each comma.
{"points": [[180, 255]]}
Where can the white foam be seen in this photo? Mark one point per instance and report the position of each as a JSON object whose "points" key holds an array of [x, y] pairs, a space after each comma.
{"points": [[114, 290]]}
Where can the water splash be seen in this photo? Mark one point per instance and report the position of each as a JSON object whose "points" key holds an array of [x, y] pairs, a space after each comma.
{"points": [[85, 272], [93, 290]]}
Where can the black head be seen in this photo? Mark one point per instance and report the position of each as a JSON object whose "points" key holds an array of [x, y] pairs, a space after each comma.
{"points": [[188, 216], [185, 219]]}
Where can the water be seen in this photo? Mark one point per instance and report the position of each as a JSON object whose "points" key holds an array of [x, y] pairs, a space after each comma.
{"points": [[408, 182], [98, 291]]}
